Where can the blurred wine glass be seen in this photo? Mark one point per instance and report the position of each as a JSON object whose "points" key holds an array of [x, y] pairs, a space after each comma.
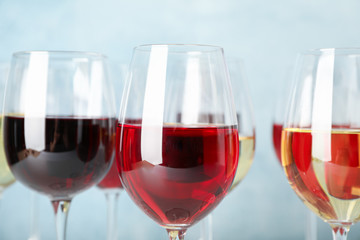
{"points": [[246, 131], [111, 184], [245, 118], [280, 107], [282, 102], [6, 177]]}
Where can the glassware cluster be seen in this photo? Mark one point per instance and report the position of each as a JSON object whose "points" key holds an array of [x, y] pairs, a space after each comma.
{"points": [[177, 144], [184, 136]]}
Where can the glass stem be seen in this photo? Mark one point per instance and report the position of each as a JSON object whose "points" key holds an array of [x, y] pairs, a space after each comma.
{"points": [[176, 234], [34, 210], [206, 228], [1, 193], [112, 198], [61, 209], [311, 226], [340, 232]]}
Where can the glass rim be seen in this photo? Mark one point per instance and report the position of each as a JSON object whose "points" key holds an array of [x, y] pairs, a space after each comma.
{"points": [[181, 48], [332, 51], [61, 53]]}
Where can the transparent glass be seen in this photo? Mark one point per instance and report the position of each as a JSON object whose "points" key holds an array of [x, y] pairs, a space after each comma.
{"points": [[59, 124], [245, 117], [246, 130], [34, 216], [111, 185], [320, 138], [281, 106], [6, 177], [177, 144]]}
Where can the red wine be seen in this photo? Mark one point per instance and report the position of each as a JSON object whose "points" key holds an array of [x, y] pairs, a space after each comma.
{"points": [[277, 128], [59, 156], [324, 169], [112, 179], [196, 169]]}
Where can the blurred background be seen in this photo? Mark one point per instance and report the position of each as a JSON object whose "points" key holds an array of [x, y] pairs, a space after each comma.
{"points": [[267, 35]]}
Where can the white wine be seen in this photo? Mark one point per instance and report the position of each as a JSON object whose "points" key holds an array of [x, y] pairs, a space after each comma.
{"points": [[6, 177], [246, 156], [324, 170]]}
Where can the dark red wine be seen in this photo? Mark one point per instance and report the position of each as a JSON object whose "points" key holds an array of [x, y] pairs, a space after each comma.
{"points": [[112, 179], [59, 156], [277, 129], [195, 170]]}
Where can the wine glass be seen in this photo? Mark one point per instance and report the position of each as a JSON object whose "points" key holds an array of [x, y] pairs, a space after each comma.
{"points": [[246, 130], [281, 107], [112, 187], [244, 112], [111, 184], [177, 140], [59, 124], [320, 139], [6, 177]]}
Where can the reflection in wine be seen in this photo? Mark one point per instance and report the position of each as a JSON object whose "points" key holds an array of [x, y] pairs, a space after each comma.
{"points": [[323, 168], [197, 168], [76, 153]]}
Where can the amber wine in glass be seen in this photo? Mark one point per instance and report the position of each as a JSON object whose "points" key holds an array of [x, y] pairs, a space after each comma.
{"points": [[320, 138]]}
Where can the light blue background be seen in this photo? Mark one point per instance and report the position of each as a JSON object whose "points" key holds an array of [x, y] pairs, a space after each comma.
{"points": [[265, 34]]}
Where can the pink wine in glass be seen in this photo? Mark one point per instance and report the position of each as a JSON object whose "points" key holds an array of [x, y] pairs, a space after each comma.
{"points": [[112, 179], [196, 169], [277, 129], [59, 156]]}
